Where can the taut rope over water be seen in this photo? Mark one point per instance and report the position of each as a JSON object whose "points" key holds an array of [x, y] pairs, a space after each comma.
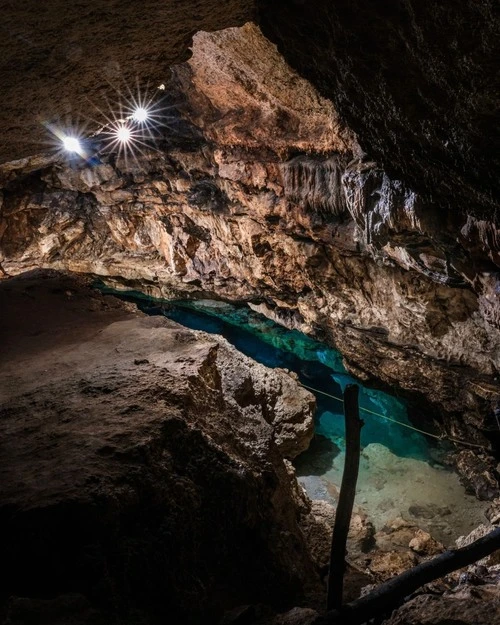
{"points": [[405, 425]]}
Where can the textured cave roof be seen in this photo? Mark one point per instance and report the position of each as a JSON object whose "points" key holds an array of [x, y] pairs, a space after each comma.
{"points": [[60, 60], [415, 79]]}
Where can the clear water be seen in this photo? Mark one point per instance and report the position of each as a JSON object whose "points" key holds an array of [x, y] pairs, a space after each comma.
{"points": [[316, 364], [399, 474]]}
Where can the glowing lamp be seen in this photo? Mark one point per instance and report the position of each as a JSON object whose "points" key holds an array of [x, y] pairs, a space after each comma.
{"points": [[71, 144], [140, 114], [123, 134]]}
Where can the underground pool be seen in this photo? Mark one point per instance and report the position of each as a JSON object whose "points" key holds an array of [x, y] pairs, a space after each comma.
{"points": [[401, 470]]}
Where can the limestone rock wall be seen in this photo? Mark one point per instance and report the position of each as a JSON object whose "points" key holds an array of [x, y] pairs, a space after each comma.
{"points": [[414, 79], [287, 214]]}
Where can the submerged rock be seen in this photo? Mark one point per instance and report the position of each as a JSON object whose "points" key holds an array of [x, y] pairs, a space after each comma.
{"points": [[477, 474]]}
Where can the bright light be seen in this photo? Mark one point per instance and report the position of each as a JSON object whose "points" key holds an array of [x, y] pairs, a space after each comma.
{"points": [[123, 134], [140, 114], [133, 123], [71, 144]]}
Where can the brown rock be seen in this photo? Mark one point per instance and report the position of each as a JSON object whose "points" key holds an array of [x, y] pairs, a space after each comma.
{"points": [[139, 485], [493, 512], [423, 544], [469, 606], [491, 560], [387, 564], [477, 474], [401, 534], [237, 70], [319, 533], [361, 534]]}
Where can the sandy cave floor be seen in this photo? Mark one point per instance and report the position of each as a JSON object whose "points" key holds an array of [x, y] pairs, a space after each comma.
{"points": [[389, 486]]}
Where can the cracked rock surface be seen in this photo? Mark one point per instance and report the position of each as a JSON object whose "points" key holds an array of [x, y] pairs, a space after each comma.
{"points": [[289, 216], [142, 463]]}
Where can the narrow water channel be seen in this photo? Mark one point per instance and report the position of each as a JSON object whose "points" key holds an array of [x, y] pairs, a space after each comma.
{"points": [[400, 470]]}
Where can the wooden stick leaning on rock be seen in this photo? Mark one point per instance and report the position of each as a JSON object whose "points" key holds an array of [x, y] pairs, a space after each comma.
{"points": [[393, 592], [353, 425]]}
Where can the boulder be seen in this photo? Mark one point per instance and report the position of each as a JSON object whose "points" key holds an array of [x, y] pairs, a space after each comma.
{"points": [[423, 544], [387, 564], [140, 462], [478, 475]]}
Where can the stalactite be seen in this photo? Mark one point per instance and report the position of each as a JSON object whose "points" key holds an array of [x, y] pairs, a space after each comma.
{"points": [[316, 184]]}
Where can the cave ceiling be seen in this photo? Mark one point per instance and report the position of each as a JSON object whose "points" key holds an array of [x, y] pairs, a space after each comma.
{"points": [[413, 79], [61, 62]]}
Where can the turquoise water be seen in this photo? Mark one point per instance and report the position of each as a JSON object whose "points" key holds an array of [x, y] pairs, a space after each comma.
{"points": [[316, 364]]}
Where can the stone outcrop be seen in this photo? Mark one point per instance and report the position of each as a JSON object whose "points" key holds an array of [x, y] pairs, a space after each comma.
{"points": [[465, 597], [142, 465], [413, 80], [321, 240], [467, 606], [478, 474]]}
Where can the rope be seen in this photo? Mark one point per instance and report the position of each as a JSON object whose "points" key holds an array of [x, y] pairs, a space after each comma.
{"points": [[405, 425]]}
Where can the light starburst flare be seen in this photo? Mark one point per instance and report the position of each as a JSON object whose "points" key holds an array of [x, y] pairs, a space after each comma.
{"points": [[128, 127], [67, 139], [71, 144], [140, 115], [123, 133]]}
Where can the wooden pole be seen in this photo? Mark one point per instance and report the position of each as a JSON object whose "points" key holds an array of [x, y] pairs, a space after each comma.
{"points": [[353, 425], [393, 592]]}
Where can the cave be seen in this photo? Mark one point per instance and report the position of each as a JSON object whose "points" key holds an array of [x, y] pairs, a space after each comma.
{"points": [[212, 219]]}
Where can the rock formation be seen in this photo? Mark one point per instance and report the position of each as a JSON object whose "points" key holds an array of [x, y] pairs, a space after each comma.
{"points": [[414, 80], [464, 597], [142, 463], [343, 183], [258, 192], [464, 606], [144, 471]]}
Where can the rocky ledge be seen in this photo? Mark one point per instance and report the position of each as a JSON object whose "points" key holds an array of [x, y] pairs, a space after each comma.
{"points": [[142, 464]]}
